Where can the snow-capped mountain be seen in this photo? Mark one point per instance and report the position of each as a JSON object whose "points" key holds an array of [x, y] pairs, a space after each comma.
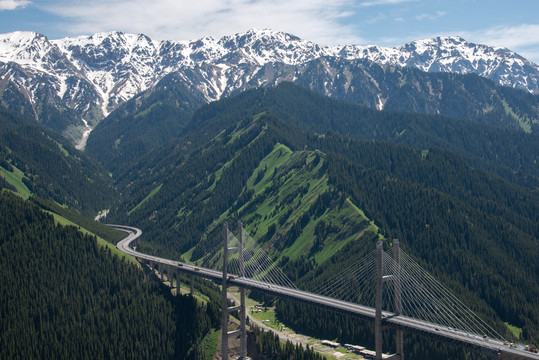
{"points": [[455, 55], [67, 81]]}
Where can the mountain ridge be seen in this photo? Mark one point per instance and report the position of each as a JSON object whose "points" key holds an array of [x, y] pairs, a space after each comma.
{"points": [[87, 77]]}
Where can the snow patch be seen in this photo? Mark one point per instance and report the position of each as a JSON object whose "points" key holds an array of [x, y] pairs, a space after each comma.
{"points": [[82, 142]]}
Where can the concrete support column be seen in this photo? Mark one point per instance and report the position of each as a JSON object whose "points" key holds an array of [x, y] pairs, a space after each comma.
{"points": [[165, 276], [224, 304], [378, 314], [178, 279], [225, 309], [192, 285], [243, 329], [398, 296]]}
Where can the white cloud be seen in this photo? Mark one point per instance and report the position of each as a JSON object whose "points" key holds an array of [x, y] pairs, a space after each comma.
{"points": [[507, 36], [384, 2], [13, 4], [322, 21], [430, 16], [523, 39], [378, 18]]}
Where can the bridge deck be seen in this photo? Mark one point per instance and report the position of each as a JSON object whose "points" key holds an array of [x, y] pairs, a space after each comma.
{"points": [[403, 322]]}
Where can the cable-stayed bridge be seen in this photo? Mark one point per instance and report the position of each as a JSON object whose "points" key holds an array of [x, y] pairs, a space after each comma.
{"points": [[391, 289]]}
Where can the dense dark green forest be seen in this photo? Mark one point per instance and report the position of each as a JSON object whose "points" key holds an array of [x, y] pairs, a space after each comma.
{"points": [[144, 122], [509, 153], [135, 129], [99, 229], [64, 297]]}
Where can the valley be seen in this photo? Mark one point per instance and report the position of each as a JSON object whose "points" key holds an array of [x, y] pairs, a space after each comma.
{"points": [[320, 152]]}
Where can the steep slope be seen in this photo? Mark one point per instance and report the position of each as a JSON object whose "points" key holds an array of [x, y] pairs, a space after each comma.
{"points": [[39, 161], [144, 123], [291, 209], [63, 82], [510, 154], [39, 81], [157, 115], [393, 88]]}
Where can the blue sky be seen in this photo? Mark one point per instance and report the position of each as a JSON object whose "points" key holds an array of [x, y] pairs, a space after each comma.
{"points": [[512, 24]]}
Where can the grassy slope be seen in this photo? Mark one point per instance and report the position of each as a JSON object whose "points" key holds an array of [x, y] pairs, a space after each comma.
{"points": [[285, 188], [15, 179], [300, 179], [148, 197]]}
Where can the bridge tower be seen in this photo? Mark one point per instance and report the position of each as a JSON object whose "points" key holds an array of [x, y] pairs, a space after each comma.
{"points": [[225, 334], [380, 279], [398, 297]]}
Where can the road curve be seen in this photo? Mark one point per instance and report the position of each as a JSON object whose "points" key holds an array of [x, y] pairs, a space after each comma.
{"points": [[403, 322]]}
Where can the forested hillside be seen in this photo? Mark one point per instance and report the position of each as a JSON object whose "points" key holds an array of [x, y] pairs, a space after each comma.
{"points": [[463, 96], [143, 123], [64, 297], [449, 167], [486, 123], [39, 161], [511, 154], [473, 230]]}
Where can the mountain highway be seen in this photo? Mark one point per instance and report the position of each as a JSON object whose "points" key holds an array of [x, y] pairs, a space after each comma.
{"points": [[503, 351]]}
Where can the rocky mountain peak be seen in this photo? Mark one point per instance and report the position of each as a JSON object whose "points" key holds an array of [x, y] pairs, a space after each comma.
{"points": [[103, 70]]}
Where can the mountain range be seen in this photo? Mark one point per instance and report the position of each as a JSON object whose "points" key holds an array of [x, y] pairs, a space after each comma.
{"points": [[71, 84], [319, 151]]}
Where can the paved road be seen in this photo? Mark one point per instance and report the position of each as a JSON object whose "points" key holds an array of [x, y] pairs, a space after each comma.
{"points": [[403, 322]]}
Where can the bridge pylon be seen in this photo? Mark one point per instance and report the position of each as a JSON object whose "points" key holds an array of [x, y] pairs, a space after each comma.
{"points": [[398, 297], [380, 279], [225, 309]]}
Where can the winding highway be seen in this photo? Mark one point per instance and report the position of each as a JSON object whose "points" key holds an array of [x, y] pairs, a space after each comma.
{"points": [[495, 347]]}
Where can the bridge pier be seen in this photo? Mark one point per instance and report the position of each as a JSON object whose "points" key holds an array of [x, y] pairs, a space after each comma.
{"points": [[398, 297], [191, 285], [166, 272], [378, 303], [224, 303], [225, 309], [243, 336], [380, 278]]}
